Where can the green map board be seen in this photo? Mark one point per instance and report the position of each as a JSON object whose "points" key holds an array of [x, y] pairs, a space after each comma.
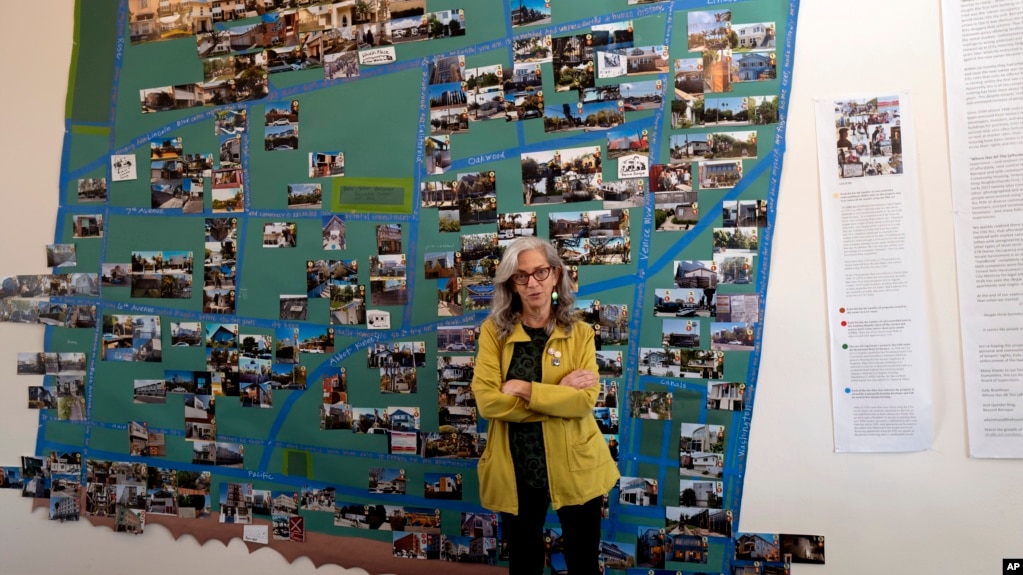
{"points": [[286, 327]]}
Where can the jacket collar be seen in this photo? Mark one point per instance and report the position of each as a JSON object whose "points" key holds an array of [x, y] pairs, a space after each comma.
{"points": [[519, 334]]}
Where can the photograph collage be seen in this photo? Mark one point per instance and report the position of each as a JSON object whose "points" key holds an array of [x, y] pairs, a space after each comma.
{"points": [[280, 36], [26, 299], [868, 134]]}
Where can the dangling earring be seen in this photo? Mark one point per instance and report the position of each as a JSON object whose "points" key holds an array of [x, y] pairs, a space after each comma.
{"points": [[554, 297]]}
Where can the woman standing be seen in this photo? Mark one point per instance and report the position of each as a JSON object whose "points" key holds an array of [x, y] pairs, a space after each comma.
{"points": [[536, 382]]}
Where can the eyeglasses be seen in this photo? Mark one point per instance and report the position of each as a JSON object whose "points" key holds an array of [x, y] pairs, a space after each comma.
{"points": [[522, 278]]}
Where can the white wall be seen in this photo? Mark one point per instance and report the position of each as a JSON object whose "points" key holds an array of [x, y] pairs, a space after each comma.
{"points": [[933, 512]]}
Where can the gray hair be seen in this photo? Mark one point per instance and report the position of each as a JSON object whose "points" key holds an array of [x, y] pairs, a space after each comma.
{"points": [[506, 309]]}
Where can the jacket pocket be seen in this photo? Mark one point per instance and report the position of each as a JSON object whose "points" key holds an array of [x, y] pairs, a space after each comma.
{"points": [[582, 453], [493, 487]]}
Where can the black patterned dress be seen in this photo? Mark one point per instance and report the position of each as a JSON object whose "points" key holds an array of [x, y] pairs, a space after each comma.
{"points": [[526, 439]]}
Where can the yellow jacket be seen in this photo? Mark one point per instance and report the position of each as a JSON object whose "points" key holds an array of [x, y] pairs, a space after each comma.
{"points": [[579, 464]]}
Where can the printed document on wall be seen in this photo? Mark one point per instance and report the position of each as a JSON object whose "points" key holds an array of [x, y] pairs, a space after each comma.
{"points": [[877, 312], [985, 113]]}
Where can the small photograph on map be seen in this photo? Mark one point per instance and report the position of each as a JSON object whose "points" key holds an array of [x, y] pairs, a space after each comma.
{"points": [[280, 136], [636, 61], [462, 417], [622, 142], [443, 23], [87, 226], [802, 548], [186, 334], [61, 255], [81, 316], [403, 418], [387, 279], [256, 395], [235, 502], [294, 307], [437, 154], [711, 30], [437, 265], [438, 194], [757, 547], [701, 438], [387, 480], [42, 397], [623, 194], [31, 363], [727, 396], [448, 221], [371, 420], [534, 49], [326, 164], [389, 239], [513, 225], [449, 297], [701, 493], [744, 213], [641, 491], [282, 113], [395, 379], [230, 151], [227, 178], [281, 376], [255, 370], [484, 91], [165, 148], [336, 415], [230, 122], [316, 339], [280, 235], [530, 13], [446, 69], [572, 57], [717, 65], [70, 398], [565, 175], [66, 363], [341, 65], [348, 304], [735, 269], [10, 478], [732, 336], [399, 353], [409, 21], [305, 196], [582, 117], [318, 498], [719, 175], [283, 503], [115, 275], [92, 190], [683, 333], [150, 391], [523, 93], [334, 237], [651, 405], [442, 486], [228, 200]]}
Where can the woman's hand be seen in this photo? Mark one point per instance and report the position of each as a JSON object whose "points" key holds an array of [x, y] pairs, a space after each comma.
{"points": [[579, 379], [518, 388]]}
